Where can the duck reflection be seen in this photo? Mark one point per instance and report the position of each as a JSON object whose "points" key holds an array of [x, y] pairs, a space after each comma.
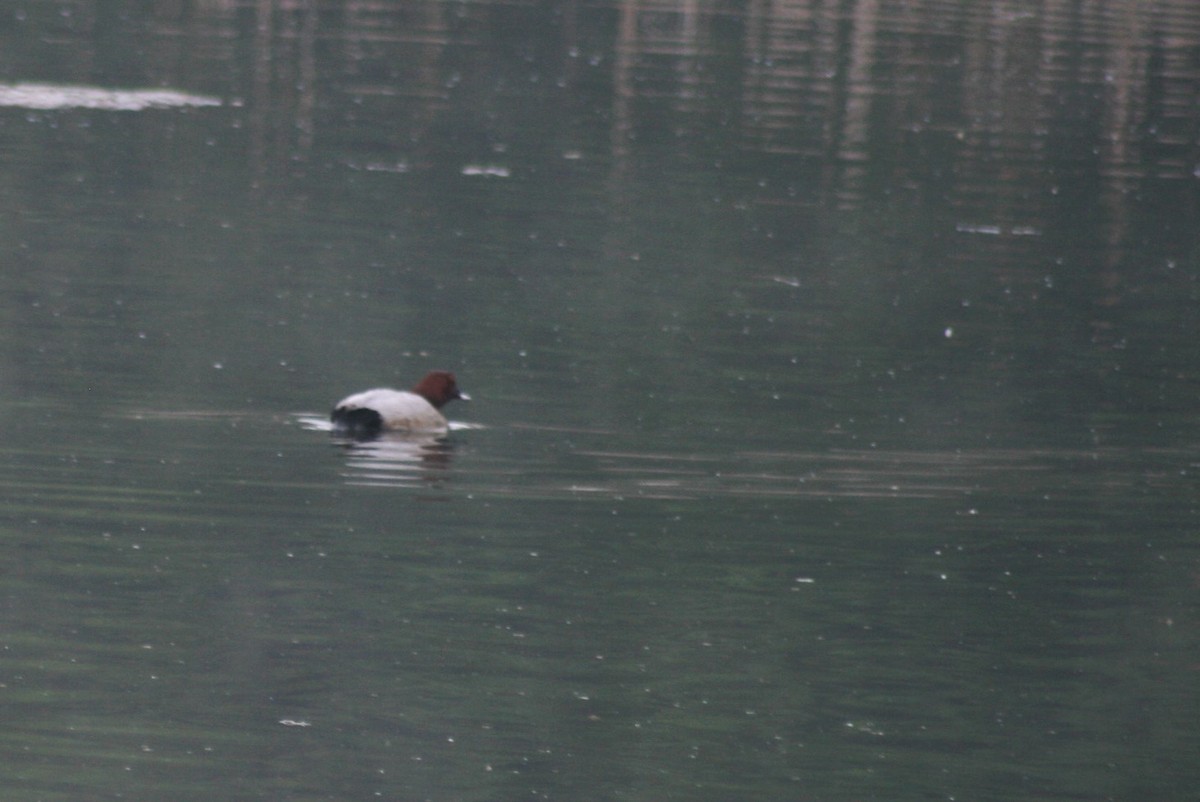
{"points": [[397, 459], [392, 458]]}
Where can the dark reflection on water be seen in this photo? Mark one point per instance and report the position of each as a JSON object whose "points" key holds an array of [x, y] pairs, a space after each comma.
{"points": [[834, 432]]}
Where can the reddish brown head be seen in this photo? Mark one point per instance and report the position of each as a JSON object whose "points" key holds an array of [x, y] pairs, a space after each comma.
{"points": [[439, 388]]}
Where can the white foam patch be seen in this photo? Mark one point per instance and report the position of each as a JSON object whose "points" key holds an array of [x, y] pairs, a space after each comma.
{"points": [[58, 96], [314, 423]]}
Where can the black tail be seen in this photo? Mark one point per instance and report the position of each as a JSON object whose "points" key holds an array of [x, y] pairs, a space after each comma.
{"points": [[361, 424]]}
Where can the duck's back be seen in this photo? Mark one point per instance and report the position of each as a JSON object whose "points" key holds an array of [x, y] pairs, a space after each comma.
{"points": [[384, 409]]}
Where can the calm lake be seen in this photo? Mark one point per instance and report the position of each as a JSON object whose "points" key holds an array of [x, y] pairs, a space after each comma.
{"points": [[834, 431]]}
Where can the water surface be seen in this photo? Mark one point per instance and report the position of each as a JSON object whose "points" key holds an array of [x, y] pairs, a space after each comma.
{"points": [[834, 377]]}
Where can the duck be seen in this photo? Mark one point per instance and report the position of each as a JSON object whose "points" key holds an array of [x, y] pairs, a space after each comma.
{"points": [[368, 414]]}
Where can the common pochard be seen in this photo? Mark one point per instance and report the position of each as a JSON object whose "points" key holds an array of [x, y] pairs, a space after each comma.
{"points": [[371, 412]]}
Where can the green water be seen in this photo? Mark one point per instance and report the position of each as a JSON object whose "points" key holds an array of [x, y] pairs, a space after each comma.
{"points": [[833, 432]]}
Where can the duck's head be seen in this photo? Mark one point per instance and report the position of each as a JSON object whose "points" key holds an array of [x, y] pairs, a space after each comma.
{"points": [[439, 388]]}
